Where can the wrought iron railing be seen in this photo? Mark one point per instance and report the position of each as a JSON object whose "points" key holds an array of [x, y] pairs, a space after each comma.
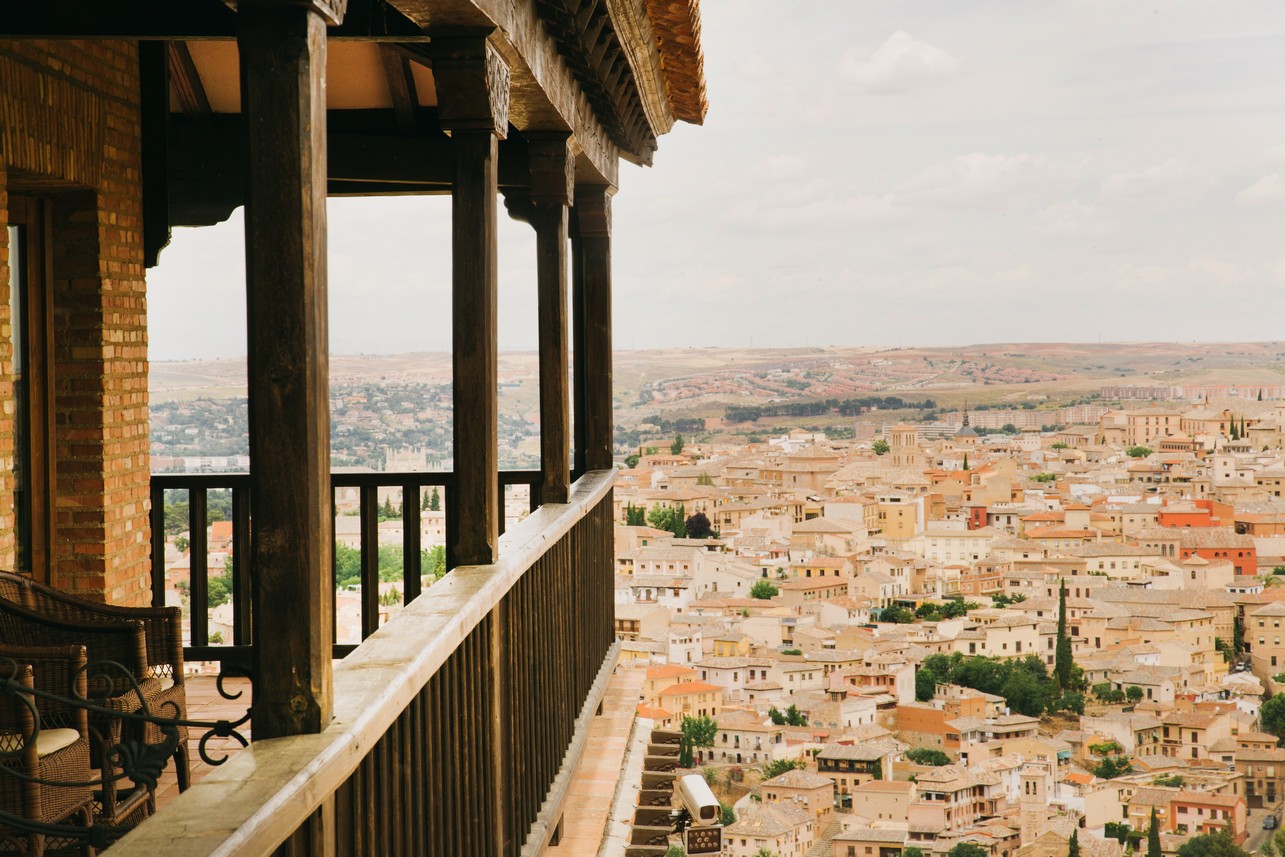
{"points": [[457, 724], [369, 485]]}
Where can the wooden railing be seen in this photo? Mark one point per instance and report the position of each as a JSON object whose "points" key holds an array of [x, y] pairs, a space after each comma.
{"points": [[456, 725], [198, 487]]}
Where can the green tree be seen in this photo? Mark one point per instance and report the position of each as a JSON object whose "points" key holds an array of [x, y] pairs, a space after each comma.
{"points": [[631, 460], [1112, 767], [794, 717], [965, 461], [728, 814], [387, 512], [677, 446], [925, 685], [1153, 836], [967, 849], [661, 518], [181, 544], [763, 589], [1073, 847], [776, 767], [1212, 845], [1134, 693], [880, 447], [1272, 715], [928, 756], [778, 719], [704, 479], [696, 732], [634, 516], [763, 852], [1072, 702], [913, 851], [675, 851], [435, 501], [1062, 663], [896, 615], [1139, 451]]}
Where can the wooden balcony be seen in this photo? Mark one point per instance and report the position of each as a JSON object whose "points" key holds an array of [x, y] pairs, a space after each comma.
{"points": [[456, 724]]}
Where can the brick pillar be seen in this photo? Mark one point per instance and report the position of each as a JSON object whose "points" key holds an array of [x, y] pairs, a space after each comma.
{"points": [[77, 126]]}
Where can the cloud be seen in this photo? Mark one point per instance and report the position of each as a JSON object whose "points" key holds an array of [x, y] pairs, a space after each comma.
{"points": [[973, 177], [1269, 190], [1173, 181], [779, 168], [1068, 217], [900, 64]]}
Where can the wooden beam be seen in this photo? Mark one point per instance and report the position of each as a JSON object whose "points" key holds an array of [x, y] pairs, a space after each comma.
{"points": [[207, 163], [189, 20], [593, 216], [154, 118], [187, 83], [401, 87], [283, 62], [473, 95], [552, 184]]}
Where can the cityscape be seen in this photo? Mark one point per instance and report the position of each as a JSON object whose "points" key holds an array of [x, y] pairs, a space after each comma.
{"points": [[642, 428], [926, 626]]}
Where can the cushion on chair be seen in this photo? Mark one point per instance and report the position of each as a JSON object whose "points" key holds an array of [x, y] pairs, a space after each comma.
{"points": [[50, 741]]}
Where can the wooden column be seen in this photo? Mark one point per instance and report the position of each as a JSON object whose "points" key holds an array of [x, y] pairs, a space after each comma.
{"points": [[545, 208], [593, 222], [473, 106], [283, 65]]}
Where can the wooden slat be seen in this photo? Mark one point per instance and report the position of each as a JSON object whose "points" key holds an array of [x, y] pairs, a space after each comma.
{"points": [[158, 545], [369, 511], [242, 581], [412, 568], [198, 568], [283, 62]]}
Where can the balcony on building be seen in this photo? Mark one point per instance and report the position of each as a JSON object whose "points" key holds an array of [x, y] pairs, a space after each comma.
{"points": [[453, 727]]}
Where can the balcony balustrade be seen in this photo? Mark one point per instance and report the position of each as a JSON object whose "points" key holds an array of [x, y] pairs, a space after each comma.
{"points": [[457, 724]]}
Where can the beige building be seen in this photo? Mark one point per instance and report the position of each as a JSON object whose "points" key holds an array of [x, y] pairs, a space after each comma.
{"points": [[802, 789], [779, 829]]}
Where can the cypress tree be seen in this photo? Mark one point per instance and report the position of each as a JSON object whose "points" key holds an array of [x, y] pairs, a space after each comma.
{"points": [[1153, 836], [1062, 661], [1073, 849], [965, 461]]}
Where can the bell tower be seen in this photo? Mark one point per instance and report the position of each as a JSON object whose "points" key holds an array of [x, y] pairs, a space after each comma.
{"points": [[1034, 802]]}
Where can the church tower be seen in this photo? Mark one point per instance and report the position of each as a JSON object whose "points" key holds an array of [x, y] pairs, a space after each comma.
{"points": [[1034, 802], [904, 442]]}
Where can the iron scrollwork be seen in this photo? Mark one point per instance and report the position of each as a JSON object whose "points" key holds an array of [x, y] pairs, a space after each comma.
{"points": [[118, 711]]}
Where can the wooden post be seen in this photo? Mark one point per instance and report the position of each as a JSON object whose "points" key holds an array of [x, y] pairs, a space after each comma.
{"points": [[473, 106], [593, 220], [545, 208], [283, 64]]}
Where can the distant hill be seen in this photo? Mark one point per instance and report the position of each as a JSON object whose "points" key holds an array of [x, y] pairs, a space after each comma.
{"points": [[687, 386]]}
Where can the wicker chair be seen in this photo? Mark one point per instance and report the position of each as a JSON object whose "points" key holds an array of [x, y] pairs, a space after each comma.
{"points": [[163, 628], [119, 642], [56, 747]]}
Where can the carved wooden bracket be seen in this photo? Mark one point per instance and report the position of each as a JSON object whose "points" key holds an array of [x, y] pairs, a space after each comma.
{"points": [[553, 167], [472, 84], [593, 211]]}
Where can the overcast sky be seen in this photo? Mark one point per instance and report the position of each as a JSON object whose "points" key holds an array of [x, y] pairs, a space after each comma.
{"points": [[881, 172]]}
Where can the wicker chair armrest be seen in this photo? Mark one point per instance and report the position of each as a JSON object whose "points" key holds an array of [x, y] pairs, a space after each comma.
{"points": [[60, 671]]}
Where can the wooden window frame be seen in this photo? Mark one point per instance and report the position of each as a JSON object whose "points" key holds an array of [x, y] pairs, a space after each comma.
{"points": [[35, 215]]}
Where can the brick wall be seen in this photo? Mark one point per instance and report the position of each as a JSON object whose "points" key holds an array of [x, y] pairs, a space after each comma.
{"points": [[69, 130]]}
